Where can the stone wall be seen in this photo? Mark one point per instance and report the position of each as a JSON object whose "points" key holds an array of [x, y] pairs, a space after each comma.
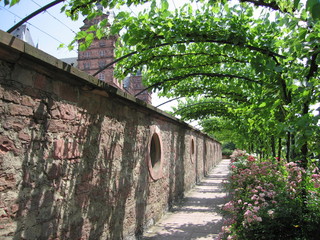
{"points": [[82, 160]]}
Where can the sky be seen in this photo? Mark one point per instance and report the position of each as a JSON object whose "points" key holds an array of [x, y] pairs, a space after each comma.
{"points": [[51, 28], [48, 29]]}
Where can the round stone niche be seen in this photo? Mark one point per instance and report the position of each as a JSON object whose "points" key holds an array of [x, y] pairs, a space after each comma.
{"points": [[154, 156], [192, 150]]}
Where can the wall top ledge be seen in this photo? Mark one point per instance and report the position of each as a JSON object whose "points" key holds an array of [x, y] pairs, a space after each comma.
{"points": [[15, 50]]}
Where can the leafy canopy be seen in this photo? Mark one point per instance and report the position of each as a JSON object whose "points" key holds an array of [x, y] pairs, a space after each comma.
{"points": [[249, 67]]}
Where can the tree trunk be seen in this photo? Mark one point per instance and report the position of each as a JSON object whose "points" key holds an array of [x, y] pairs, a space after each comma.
{"points": [[288, 146], [293, 150], [304, 148], [273, 146], [279, 148]]}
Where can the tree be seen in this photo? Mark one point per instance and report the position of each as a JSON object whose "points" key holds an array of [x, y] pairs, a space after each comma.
{"points": [[258, 70], [252, 64]]}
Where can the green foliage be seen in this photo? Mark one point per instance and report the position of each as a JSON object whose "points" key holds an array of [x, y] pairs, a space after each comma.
{"points": [[251, 67], [229, 145], [267, 200], [11, 2], [228, 148], [314, 7], [227, 152]]}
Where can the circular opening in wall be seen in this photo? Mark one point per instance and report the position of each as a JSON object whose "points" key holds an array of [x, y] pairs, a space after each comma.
{"points": [[155, 151], [154, 156], [192, 147], [192, 150]]}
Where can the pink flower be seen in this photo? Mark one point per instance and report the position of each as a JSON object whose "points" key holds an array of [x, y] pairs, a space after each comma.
{"points": [[270, 212], [254, 197], [251, 158], [248, 213]]}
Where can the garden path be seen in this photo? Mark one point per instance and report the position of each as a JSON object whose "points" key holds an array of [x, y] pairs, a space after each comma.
{"points": [[198, 216]]}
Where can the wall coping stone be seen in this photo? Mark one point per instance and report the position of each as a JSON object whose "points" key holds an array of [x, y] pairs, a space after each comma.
{"points": [[15, 50]]}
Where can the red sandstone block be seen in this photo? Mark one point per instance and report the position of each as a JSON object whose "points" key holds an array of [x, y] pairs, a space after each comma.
{"points": [[80, 131], [3, 216], [57, 126], [15, 110], [73, 150], [75, 161], [67, 111], [14, 209], [7, 182], [54, 110], [28, 101], [24, 136], [11, 96], [6, 145], [58, 151], [66, 150], [55, 113], [14, 123]]}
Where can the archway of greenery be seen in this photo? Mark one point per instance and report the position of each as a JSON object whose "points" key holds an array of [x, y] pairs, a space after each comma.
{"points": [[247, 68]]}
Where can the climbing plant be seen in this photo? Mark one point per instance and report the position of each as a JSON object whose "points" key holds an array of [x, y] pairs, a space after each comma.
{"points": [[250, 66], [252, 63]]}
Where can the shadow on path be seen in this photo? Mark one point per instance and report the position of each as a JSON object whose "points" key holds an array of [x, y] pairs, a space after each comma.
{"points": [[198, 215]]}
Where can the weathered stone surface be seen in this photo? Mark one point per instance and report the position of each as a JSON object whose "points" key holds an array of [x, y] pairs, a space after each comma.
{"points": [[54, 171], [14, 123], [24, 136], [56, 126], [7, 145], [7, 181], [27, 101], [73, 163], [40, 81], [68, 112], [11, 96], [66, 150], [19, 110]]}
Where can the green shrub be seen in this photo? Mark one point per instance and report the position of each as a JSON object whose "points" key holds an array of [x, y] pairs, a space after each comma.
{"points": [[272, 200], [227, 152]]}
